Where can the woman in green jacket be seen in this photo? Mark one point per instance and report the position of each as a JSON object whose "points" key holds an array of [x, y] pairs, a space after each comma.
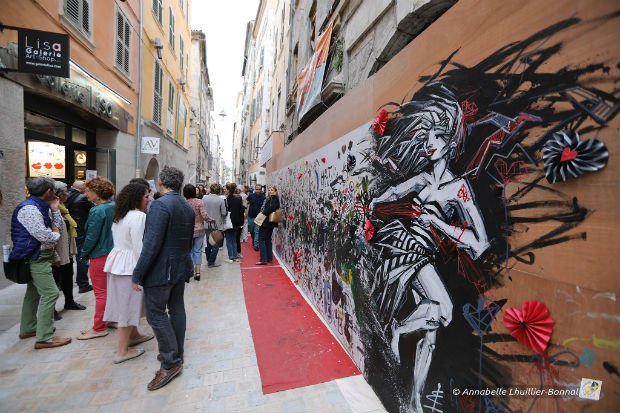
{"points": [[97, 244]]}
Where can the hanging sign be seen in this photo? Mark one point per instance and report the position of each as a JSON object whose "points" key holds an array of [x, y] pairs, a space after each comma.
{"points": [[43, 53], [150, 145]]}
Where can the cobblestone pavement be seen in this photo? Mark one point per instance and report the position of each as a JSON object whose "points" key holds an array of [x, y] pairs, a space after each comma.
{"points": [[220, 372]]}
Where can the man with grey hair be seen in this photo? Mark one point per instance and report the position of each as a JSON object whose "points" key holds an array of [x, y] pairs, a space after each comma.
{"points": [[164, 266], [35, 231]]}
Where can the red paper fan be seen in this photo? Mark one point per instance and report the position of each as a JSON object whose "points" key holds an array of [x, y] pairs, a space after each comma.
{"points": [[380, 122], [531, 326]]}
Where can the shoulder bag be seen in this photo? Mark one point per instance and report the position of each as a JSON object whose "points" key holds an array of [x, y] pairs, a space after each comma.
{"points": [[276, 216], [260, 218], [18, 271]]}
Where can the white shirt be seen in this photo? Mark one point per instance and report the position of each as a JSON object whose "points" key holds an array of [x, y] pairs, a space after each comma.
{"points": [[127, 235]]}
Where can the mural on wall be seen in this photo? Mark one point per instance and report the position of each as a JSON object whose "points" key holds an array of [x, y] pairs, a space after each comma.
{"points": [[400, 231]]}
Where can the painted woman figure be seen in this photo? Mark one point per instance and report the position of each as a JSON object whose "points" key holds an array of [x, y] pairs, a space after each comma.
{"points": [[432, 207]]}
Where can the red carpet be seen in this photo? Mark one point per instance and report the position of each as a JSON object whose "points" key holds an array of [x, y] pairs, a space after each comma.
{"points": [[293, 347]]}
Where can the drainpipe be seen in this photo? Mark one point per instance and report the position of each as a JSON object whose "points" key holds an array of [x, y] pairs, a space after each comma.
{"points": [[139, 126]]}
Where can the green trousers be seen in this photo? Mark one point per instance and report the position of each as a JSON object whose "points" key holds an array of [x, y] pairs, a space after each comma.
{"points": [[41, 296]]}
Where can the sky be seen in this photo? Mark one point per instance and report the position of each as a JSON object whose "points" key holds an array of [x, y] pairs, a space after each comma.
{"points": [[224, 23]]}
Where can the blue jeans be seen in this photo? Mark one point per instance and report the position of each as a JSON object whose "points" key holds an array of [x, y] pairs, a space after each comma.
{"points": [[197, 249], [231, 243], [81, 278], [211, 251], [264, 243], [253, 231], [169, 327]]}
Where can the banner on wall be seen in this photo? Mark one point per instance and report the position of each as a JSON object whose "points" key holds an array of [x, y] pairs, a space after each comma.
{"points": [[46, 159], [310, 80]]}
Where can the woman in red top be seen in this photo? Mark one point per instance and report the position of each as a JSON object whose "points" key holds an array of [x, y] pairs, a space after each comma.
{"points": [[189, 192]]}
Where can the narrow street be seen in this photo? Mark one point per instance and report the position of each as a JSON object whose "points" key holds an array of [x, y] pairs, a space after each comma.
{"points": [[220, 372]]}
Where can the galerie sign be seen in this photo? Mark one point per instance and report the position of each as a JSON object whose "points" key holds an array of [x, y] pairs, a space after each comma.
{"points": [[43, 53]]}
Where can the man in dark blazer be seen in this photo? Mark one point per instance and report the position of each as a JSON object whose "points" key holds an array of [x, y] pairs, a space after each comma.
{"points": [[165, 264]]}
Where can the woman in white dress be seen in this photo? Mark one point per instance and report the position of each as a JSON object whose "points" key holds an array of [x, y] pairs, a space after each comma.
{"points": [[125, 305]]}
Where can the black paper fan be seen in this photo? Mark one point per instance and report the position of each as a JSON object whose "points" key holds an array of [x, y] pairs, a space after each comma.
{"points": [[566, 157]]}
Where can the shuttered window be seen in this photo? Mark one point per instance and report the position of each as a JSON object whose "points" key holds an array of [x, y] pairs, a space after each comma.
{"points": [[157, 93], [78, 13], [170, 97], [123, 42], [171, 33], [158, 10], [181, 52]]}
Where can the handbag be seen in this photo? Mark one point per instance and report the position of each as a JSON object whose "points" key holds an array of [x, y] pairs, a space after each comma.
{"points": [[216, 237], [260, 218], [276, 216], [18, 271]]}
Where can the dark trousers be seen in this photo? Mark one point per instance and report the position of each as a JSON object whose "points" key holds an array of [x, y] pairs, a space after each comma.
{"points": [[264, 243], [63, 276], [238, 234], [210, 251], [169, 327], [81, 278]]}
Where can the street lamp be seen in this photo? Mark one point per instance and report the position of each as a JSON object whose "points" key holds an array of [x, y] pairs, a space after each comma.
{"points": [[158, 47]]}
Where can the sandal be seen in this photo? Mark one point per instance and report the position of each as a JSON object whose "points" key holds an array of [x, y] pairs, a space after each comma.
{"points": [[119, 359], [140, 340], [90, 334]]}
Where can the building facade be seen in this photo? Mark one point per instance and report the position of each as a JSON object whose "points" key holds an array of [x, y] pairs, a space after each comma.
{"points": [[69, 127], [167, 47], [201, 110]]}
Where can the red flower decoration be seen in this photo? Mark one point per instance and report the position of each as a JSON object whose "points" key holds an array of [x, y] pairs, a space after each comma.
{"points": [[380, 121], [299, 175], [531, 326], [290, 217], [323, 160], [369, 230]]}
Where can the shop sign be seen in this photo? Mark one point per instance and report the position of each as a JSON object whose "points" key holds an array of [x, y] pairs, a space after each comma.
{"points": [[91, 174], [43, 53], [46, 159], [150, 145]]}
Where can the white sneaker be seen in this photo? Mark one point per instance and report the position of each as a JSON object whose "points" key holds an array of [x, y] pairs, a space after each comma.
{"points": [[229, 261]]}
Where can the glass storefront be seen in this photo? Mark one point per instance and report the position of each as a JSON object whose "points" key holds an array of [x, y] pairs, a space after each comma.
{"points": [[57, 149]]}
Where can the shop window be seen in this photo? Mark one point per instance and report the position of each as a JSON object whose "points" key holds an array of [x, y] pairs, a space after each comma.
{"points": [[44, 125], [158, 10], [171, 32], [157, 93], [78, 136], [123, 42], [46, 159], [78, 12]]}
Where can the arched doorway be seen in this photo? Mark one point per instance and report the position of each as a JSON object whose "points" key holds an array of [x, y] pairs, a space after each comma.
{"points": [[152, 170]]}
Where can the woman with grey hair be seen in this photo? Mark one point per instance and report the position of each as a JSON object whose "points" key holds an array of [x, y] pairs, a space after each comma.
{"points": [[35, 231], [66, 249]]}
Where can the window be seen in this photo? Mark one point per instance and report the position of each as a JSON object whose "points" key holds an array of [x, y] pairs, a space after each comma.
{"points": [[157, 92], [158, 9], [170, 97], [181, 52], [123, 42], [170, 111], [78, 13], [181, 6], [171, 33]]}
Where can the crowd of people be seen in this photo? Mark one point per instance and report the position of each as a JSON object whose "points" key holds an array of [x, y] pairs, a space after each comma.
{"points": [[135, 249]]}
